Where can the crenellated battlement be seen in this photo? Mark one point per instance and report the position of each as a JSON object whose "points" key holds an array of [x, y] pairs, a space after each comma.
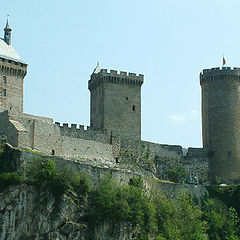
{"points": [[121, 73], [214, 74], [82, 132], [115, 77], [13, 68], [18, 63], [72, 127]]}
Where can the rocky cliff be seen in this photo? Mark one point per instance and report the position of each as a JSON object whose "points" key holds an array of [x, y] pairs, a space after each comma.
{"points": [[27, 214]]}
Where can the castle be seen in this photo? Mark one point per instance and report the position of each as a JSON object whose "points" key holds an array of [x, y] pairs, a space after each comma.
{"points": [[114, 134]]}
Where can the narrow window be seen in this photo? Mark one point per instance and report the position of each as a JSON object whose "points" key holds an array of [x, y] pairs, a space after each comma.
{"points": [[133, 108], [53, 152], [126, 98], [4, 79], [4, 92]]}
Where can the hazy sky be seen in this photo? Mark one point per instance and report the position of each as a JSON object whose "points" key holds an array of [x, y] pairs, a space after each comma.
{"points": [[170, 42]]}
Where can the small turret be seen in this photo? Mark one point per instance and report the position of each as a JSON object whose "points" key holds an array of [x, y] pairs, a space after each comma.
{"points": [[7, 33]]}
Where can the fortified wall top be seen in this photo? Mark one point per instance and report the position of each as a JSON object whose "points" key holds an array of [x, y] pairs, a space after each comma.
{"points": [[213, 74], [113, 76], [12, 67]]}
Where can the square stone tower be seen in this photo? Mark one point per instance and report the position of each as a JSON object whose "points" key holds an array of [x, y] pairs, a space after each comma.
{"points": [[12, 72], [116, 102]]}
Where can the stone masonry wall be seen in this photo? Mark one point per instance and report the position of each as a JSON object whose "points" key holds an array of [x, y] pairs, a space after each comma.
{"points": [[157, 159], [220, 119], [42, 135], [120, 176], [141, 157], [11, 84], [111, 89]]}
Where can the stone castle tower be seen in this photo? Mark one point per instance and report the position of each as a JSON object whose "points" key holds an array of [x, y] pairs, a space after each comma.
{"points": [[221, 121], [116, 102], [12, 72]]}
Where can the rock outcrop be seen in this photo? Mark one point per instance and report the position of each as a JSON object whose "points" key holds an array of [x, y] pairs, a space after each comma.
{"points": [[27, 214]]}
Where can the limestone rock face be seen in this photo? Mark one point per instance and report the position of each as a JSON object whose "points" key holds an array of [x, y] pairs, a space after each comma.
{"points": [[27, 214], [111, 231]]}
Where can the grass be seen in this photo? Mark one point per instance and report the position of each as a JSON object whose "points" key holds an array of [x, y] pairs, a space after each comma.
{"points": [[158, 180], [35, 152]]}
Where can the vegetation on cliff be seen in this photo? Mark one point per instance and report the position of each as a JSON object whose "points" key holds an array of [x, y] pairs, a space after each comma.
{"points": [[151, 217]]}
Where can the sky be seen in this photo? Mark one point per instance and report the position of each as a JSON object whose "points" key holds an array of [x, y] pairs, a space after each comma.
{"points": [[170, 42]]}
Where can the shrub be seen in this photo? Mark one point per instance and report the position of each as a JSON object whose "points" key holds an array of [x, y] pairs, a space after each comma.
{"points": [[136, 181], [182, 220], [80, 184], [10, 178], [43, 174], [124, 203], [7, 159], [177, 174], [222, 221]]}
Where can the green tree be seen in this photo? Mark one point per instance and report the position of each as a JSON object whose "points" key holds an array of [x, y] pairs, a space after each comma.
{"points": [[125, 203], [222, 221], [180, 220]]}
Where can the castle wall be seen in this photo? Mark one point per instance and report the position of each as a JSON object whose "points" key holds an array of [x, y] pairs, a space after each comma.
{"points": [[27, 131], [46, 138], [7, 129], [95, 174], [73, 148], [74, 131], [80, 145], [146, 157], [197, 165], [153, 157]]}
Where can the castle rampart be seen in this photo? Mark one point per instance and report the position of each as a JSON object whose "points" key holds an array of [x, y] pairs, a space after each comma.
{"points": [[215, 74], [114, 77], [13, 68], [78, 131]]}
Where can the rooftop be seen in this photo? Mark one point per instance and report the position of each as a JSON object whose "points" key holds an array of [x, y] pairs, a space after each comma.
{"points": [[8, 52]]}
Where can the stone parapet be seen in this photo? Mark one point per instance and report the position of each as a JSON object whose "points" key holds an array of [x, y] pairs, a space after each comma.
{"points": [[13, 68], [215, 74], [114, 77], [81, 132]]}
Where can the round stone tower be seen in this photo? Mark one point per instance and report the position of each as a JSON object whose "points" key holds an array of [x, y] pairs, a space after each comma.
{"points": [[221, 121]]}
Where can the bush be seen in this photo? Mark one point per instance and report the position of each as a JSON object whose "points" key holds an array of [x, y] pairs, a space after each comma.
{"points": [[44, 175], [7, 159], [10, 178], [136, 181], [124, 203], [80, 184], [177, 174]]}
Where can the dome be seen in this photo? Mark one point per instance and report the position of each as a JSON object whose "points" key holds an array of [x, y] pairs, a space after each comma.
{"points": [[8, 52]]}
